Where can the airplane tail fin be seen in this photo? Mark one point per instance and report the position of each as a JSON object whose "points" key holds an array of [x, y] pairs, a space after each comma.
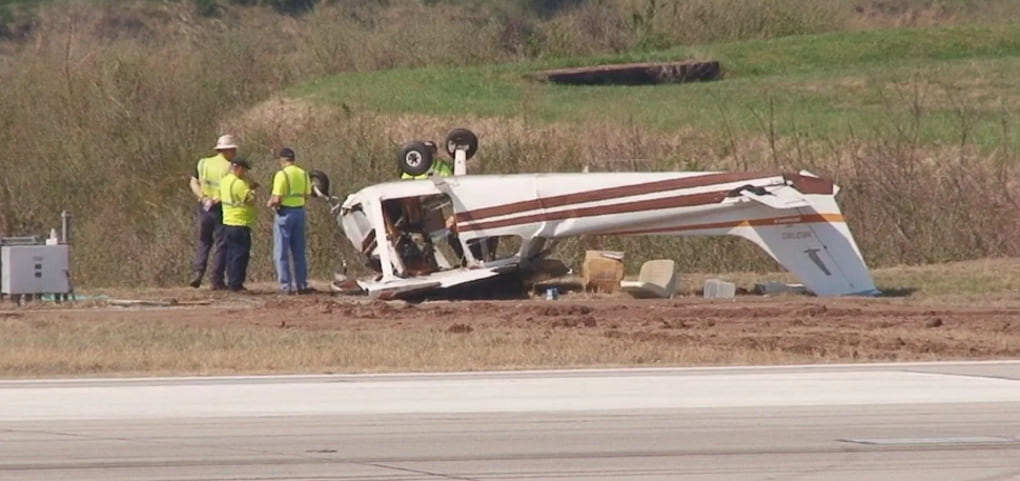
{"points": [[821, 252], [813, 241]]}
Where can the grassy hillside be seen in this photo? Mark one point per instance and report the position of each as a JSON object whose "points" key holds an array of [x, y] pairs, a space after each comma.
{"points": [[823, 85]]}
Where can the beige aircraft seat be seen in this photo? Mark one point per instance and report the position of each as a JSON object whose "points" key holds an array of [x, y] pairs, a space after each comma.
{"points": [[656, 279]]}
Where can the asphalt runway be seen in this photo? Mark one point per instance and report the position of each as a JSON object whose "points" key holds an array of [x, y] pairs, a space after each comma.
{"points": [[927, 422]]}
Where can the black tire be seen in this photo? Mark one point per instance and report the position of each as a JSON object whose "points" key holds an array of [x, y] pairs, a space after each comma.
{"points": [[415, 158], [320, 181], [461, 138]]}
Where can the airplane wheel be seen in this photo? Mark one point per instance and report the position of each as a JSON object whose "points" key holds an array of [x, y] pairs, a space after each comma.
{"points": [[415, 158], [320, 181], [461, 139]]}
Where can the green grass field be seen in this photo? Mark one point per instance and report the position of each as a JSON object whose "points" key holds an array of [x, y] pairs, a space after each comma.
{"points": [[821, 86]]}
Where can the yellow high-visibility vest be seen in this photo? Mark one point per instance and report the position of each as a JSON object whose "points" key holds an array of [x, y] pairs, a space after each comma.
{"points": [[210, 171], [238, 201], [292, 185], [440, 168]]}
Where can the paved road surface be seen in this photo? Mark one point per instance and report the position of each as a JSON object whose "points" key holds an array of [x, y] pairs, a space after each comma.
{"points": [[927, 422]]}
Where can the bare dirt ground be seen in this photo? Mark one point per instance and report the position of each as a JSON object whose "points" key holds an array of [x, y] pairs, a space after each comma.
{"points": [[266, 333], [837, 330]]}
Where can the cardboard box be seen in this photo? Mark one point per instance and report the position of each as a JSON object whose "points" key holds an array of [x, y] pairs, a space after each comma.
{"points": [[603, 270]]}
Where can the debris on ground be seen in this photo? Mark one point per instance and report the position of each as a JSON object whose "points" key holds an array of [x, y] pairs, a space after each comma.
{"points": [[773, 288], [657, 279], [719, 289], [603, 270], [155, 303]]}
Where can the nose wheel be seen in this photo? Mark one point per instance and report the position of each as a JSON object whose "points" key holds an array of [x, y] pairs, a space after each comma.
{"points": [[461, 139]]}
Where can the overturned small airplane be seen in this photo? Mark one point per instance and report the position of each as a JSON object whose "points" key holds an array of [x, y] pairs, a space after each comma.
{"points": [[493, 225]]}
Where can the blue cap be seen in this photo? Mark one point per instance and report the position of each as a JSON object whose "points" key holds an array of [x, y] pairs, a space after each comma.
{"points": [[286, 153]]}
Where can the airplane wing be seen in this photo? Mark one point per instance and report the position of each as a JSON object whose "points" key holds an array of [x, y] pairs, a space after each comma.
{"points": [[439, 280]]}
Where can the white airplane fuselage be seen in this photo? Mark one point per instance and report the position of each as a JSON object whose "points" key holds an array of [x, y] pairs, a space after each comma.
{"points": [[794, 217]]}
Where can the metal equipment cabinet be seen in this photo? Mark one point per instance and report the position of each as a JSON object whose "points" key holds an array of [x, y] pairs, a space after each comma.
{"points": [[34, 269]]}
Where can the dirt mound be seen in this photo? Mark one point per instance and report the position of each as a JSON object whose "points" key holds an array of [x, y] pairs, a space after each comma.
{"points": [[637, 73]]}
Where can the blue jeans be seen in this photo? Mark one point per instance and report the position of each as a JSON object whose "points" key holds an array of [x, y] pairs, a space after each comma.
{"points": [[288, 241]]}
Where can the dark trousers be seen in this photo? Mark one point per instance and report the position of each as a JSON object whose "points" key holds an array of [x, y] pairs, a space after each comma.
{"points": [[238, 241], [210, 235]]}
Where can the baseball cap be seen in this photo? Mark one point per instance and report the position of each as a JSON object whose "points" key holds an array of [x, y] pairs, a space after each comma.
{"points": [[286, 153], [241, 162]]}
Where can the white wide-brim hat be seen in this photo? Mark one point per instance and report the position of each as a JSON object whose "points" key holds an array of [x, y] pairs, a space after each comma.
{"points": [[225, 142]]}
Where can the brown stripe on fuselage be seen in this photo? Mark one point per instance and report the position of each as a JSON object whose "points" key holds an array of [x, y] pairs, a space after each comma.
{"points": [[608, 194], [785, 220], [689, 200]]}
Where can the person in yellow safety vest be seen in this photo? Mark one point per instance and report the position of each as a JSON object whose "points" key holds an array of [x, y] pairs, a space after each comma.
{"points": [[440, 166], [237, 194], [205, 185], [291, 189]]}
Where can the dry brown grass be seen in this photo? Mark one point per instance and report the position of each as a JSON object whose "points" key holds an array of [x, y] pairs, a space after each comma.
{"points": [[60, 346]]}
